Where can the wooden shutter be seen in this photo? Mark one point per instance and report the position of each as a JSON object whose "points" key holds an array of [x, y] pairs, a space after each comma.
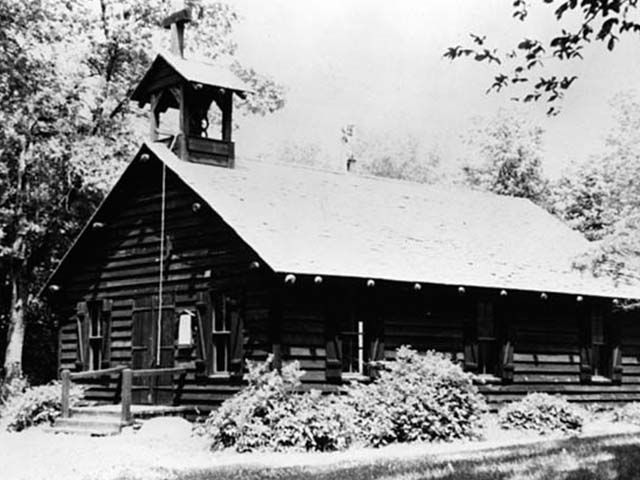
{"points": [[105, 327], [334, 310], [376, 345], [236, 342], [204, 334], [82, 322], [470, 333], [615, 345], [506, 335], [586, 369], [275, 325]]}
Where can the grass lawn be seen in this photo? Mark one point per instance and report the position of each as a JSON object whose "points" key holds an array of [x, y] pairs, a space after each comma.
{"points": [[598, 453]]}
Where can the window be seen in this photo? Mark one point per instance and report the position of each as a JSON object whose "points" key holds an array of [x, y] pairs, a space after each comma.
{"points": [[221, 335], [353, 354], [95, 335], [482, 344], [93, 331], [487, 340]]}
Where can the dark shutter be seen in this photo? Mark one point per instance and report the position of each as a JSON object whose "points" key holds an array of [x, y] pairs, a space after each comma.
{"points": [[234, 321], [586, 369], [204, 334], [470, 333], [82, 321], [506, 336], [105, 327], [376, 345], [615, 344], [334, 308], [275, 325]]}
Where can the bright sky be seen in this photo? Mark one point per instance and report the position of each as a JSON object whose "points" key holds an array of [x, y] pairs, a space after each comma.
{"points": [[378, 64]]}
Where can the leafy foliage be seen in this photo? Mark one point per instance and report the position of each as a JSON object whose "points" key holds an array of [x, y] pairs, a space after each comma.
{"points": [[417, 397], [542, 413], [605, 21], [67, 127], [628, 413], [269, 415], [404, 158], [505, 157], [36, 405], [601, 198], [11, 389]]}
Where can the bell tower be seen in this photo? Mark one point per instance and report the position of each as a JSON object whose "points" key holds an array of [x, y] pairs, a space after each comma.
{"points": [[191, 88]]}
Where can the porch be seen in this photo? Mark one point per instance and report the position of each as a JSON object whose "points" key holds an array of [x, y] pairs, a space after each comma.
{"points": [[108, 419]]}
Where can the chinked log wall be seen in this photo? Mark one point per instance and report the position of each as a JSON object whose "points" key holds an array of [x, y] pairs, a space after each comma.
{"points": [[120, 262], [547, 336]]}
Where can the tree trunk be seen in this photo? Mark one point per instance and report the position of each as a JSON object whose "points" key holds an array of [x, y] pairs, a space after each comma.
{"points": [[15, 335]]}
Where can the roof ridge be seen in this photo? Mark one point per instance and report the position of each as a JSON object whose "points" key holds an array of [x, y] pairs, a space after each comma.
{"points": [[380, 178]]}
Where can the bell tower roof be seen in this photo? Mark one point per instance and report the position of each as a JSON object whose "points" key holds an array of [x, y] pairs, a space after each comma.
{"points": [[169, 70]]}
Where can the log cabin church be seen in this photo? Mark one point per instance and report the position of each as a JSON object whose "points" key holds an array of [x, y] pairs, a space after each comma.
{"points": [[196, 264]]}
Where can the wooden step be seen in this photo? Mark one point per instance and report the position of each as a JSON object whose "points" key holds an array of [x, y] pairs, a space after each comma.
{"points": [[93, 413], [96, 426]]}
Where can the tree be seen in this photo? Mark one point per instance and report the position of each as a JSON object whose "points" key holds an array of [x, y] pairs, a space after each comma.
{"points": [[601, 198], [67, 126], [504, 157], [605, 21]]}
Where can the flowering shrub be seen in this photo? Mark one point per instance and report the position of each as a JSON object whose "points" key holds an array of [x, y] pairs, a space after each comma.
{"points": [[629, 413], [543, 413], [36, 405], [417, 397], [269, 415]]}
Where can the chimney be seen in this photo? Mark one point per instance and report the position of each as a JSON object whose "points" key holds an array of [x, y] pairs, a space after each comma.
{"points": [[351, 163]]}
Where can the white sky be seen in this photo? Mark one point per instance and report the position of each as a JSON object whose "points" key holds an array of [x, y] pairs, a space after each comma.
{"points": [[378, 64]]}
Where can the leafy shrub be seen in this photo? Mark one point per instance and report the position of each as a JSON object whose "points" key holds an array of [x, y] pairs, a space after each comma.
{"points": [[417, 397], [543, 413], [11, 389], [629, 413], [269, 415], [37, 405]]}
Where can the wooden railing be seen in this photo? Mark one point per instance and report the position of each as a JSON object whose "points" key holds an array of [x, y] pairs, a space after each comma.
{"points": [[125, 385]]}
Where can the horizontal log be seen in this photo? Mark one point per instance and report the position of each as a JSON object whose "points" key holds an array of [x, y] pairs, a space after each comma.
{"points": [[96, 373], [154, 372]]}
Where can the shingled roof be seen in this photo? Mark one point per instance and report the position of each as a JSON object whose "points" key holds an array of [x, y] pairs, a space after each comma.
{"points": [[308, 221], [191, 71]]}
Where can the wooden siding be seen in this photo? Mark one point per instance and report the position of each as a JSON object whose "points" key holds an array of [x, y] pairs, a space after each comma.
{"points": [[120, 262]]}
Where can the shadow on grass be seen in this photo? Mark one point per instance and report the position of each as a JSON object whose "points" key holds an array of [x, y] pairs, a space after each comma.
{"points": [[611, 457]]}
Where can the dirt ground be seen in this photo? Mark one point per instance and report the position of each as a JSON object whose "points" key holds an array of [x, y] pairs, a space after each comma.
{"points": [[168, 451]]}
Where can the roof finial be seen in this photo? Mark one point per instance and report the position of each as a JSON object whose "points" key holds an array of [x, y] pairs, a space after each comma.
{"points": [[175, 21]]}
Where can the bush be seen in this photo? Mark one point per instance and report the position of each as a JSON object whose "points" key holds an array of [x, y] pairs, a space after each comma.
{"points": [[542, 413], [8, 390], [269, 415], [417, 397], [629, 413], [37, 405]]}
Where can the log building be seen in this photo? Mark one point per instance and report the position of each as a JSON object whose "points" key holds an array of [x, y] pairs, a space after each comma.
{"points": [[194, 261]]}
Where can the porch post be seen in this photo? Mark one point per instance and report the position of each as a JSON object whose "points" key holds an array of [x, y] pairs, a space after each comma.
{"points": [[65, 376], [127, 377]]}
